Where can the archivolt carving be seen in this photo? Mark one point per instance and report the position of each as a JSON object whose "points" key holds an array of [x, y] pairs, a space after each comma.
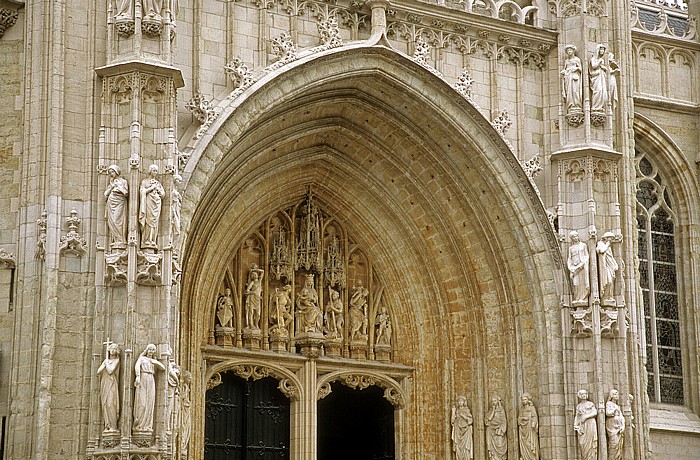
{"points": [[289, 384], [361, 380]]}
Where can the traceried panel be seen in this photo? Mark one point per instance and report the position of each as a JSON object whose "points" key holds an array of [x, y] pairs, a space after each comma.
{"points": [[301, 283], [657, 269]]}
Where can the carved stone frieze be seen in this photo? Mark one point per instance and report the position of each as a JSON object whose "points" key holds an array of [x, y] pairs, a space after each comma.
{"points": [[608, 321], [581, 321], [116, 268], [148, 268], [72, 242]]}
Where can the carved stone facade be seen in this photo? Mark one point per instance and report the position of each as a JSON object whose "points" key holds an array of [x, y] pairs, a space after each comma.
{"points": [[485, 213]]}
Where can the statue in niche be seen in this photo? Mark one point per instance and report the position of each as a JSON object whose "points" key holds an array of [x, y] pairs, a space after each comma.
{"points": [[116, 209], [125, 10], [578, 270], [614, 67], [462, 430], [597, 74], [152, 194], [109, 388], [253, 297], [496, 426], [224, 309], [185, 413], [309, 315], [614, 425], [383, 325], [528, 429], [585, 427], [607, 268], [280, 317], [571, 84], [151, 9], [173, 383], [334, 315], [145, 394], [358, 311], [176, 207]]}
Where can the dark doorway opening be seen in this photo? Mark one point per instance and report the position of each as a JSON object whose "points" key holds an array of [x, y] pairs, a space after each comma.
{"points": [[246, 419], [355, 425]]}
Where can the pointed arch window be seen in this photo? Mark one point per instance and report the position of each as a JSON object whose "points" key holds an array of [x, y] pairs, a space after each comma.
{"points": [[656, 223]]}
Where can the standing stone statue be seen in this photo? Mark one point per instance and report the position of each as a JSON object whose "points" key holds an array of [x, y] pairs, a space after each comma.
{"points": [[585, 427], [528, 429], [280, 300], [253, 297], [185, 413], [608, 267], [496, 426], [152, 8], [358, 312], [612, 87], [152, 194], [571, 84], [125, 10], [614, 426], [334, 315], [176, 207], [224, 309], [173, 384], [383, 324], [116, 209], [597, 74], [462, 430], [578, 270], [308, 313], [109, 389], [145, 395]]}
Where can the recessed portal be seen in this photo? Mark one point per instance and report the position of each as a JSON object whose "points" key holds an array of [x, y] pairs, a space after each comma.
{"points": [[355, 425]]}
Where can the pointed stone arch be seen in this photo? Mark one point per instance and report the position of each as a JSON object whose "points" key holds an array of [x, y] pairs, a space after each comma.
{"points": [[466, 251]]}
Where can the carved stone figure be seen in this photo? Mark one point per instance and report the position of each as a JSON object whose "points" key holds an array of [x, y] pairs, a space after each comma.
{"points": [[116, 209], [253, 297], [185, 413], [597, 74], [614, 426], [383, 325], [224, 309], [109, 388], [496, 426], [145, 394], [462, 430], [280, 301], [607, 268], [152, 194], [125, 10], [585, 427], [528, 429], [309, 315], [173, 384], [358, 311], [152, 8], [571, 83], [612, 87], [578, 270], [176, 207], [334, 315]]}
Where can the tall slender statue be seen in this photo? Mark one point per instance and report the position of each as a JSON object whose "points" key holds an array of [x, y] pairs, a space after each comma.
{"points": [[109, 389], [358, 311], [116, 209], [607, 268], [585, 427], [462, 430], [528, 429], [612, 87], [125, 10], [496, 427], [145, 395], [597, 74], [172, 395], [334, 315], [152, 194], [151, 8], [185, 413], [571, 83], [383, 325], [578, 270], [280, 301], [614, 426], [253, 297], [224, 309], [176, 207]]}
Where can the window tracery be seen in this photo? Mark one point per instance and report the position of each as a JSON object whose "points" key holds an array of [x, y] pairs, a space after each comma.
{"points": [[656, 222]]}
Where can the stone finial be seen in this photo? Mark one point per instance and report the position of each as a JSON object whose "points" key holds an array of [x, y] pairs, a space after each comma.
{"points": [[72, 242]]}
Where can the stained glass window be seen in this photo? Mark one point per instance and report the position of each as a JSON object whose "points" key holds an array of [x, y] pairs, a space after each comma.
{"points": [[657, 270]]}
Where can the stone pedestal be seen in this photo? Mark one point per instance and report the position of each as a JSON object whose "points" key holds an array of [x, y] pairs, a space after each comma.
{"points": [[142, 438], [279, 341], [310, 343], [252, 338], [382, 353], [224, 336], [110, 439], [358, 349], [332, 347]]}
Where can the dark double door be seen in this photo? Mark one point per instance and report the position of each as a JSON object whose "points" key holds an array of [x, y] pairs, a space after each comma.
{"points": [[246, 419]]}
